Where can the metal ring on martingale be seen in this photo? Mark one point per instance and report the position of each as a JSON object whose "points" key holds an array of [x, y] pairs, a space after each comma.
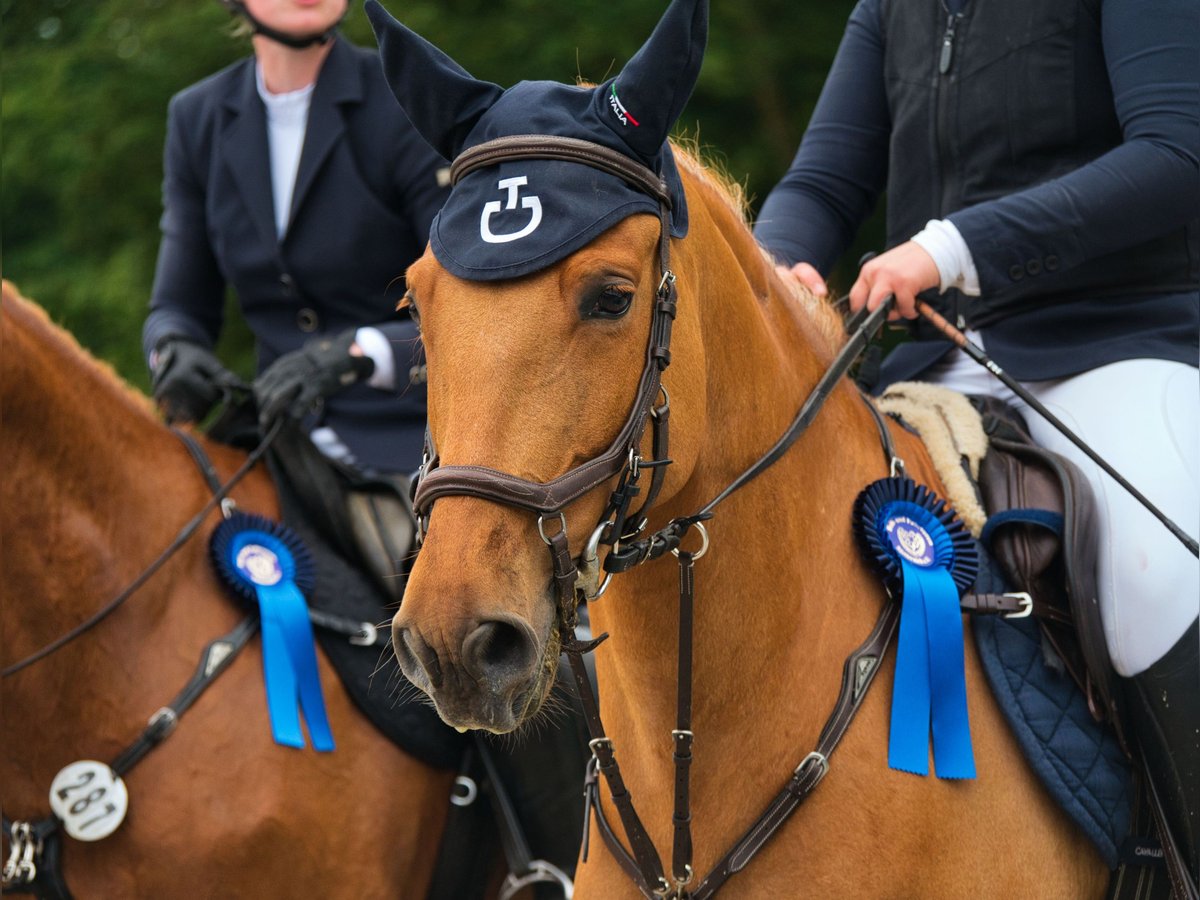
{"points": [[542, 528], [367, 635], [539, 871], [470, 791], [590, 559], [699, 526], [666, 404], [681, 883]]}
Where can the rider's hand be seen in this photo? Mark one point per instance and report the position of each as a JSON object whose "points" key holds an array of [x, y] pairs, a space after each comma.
{"points": [[904, 272], [804, 274], [296, 381], [188, 379]]}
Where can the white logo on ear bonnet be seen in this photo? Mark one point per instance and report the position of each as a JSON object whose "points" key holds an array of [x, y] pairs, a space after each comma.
{"points": [[533, 204]]}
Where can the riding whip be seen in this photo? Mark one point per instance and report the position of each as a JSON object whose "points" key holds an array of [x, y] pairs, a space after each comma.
{"points": [[976, 353]]}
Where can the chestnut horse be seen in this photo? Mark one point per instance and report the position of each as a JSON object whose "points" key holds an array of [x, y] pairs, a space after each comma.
{"points": [[94, 486], [530, 377]]}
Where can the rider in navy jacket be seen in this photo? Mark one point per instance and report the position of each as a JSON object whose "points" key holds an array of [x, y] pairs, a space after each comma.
{"points": [[1062, 143], [1042, 166], [365, 190]]}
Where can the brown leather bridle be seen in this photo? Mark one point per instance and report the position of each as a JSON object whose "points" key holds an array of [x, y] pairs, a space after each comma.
{"points": [[549, 499], [618, 528]]}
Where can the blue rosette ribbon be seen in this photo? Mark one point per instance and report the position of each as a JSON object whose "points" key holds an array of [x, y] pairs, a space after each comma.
{"points": [[926, 555], [266, 564]]}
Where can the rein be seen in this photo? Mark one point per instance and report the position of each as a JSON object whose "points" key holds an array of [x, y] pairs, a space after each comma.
{"points": [[618, 529], [644, 867], [220, 494], [34, 861]]}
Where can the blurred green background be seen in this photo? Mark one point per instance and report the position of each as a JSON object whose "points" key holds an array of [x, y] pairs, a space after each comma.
{"points": [[86, 85]]}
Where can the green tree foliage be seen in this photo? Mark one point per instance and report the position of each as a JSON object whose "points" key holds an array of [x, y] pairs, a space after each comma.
{"points": [[86, 85]]}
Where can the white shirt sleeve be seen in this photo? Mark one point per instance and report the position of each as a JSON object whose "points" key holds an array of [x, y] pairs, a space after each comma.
{"points": [[941, 240], [374, 343]]}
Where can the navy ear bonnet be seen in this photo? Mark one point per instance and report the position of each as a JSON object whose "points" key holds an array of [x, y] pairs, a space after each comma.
{"points": [[511, 219]]}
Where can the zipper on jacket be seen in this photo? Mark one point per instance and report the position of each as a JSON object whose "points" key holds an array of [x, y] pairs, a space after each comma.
{"points": [[941, 126], [945, 62], [947, 55]]}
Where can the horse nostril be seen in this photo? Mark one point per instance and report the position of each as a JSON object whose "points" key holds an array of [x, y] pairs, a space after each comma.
{"points": [[500, 651], [414, 656]]}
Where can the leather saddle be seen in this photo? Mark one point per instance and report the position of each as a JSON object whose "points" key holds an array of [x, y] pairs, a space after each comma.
{"points": [[368, 518], [1041, 528]]}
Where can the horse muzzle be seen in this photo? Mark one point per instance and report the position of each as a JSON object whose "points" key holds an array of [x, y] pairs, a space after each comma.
{"points": [[488, 675]]}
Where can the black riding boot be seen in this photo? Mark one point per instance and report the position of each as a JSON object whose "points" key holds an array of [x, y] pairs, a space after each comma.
{"points": [[1164, 708]]}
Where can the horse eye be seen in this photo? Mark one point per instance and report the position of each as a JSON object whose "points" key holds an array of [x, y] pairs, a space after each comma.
{"points": [[409, 302], [610, 302]]}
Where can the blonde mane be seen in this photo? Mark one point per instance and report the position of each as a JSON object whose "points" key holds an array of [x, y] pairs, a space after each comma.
{"points": [[690, 155]]}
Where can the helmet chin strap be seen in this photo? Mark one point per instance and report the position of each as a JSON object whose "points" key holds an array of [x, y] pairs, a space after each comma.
{"points": [[288, 40]]}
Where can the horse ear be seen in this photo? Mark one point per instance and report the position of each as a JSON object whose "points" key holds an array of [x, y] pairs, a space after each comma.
{"points": [[441, 98], [651, 90]]}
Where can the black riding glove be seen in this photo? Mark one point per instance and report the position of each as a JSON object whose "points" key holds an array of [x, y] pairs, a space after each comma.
{"points": [[188, 379], [296, 381]]}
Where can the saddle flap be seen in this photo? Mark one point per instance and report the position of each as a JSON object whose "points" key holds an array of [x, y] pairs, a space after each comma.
{"points": [[1042, 529]]}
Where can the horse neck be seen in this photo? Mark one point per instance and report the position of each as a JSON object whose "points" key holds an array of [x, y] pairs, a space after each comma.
{"points": [[781, 597], [94, 485]]}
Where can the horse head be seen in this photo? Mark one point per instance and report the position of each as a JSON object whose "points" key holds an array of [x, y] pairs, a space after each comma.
{"points": [[539, 302]]}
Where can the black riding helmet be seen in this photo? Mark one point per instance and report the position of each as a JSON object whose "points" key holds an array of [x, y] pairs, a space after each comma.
{"points": [[238, 8]]}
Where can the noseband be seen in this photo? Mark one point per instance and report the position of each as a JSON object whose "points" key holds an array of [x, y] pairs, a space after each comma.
{"points": [[623, 456]]}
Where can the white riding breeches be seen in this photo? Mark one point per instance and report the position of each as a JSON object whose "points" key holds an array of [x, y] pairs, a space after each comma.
{"points": [[1142, 416]]}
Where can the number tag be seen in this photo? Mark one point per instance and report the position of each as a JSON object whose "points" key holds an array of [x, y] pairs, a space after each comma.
{"points": [[90, 798]]}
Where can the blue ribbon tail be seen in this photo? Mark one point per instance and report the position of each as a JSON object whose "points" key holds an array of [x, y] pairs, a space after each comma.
{"points": [[952, 752], [284, 607], [280, 682], [908, 741], [304, 662]]}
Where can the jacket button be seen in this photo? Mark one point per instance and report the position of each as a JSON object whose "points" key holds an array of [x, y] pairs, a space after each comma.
{"points": [[1016, 272], [1034, 267], [307, 320], [289, 286], [1051, 263]]}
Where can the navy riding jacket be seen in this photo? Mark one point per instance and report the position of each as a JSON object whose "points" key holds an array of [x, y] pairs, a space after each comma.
{"points": [[1061, 138], [366, 190]]}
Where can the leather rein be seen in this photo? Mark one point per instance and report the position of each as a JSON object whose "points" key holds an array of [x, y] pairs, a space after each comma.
{"points": [[619, 528]]}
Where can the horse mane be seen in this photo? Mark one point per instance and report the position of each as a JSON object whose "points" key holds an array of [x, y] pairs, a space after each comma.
{"points": [[28, 317], [731, 194]]}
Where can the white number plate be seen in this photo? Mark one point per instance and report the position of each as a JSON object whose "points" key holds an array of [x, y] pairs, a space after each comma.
{"points": [[90, 798]]}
